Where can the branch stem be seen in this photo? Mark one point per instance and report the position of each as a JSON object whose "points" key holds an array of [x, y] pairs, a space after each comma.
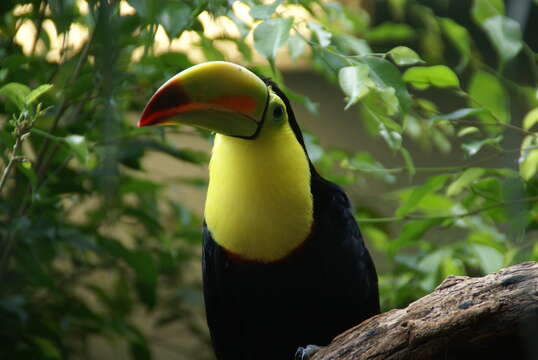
{"points": [[445, 217], [11, 162]]}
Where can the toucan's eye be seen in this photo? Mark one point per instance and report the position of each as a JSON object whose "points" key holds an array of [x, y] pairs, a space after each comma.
{"points": [[278, 113]]}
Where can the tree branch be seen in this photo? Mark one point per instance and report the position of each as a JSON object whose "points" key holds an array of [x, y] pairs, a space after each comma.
{"points": [[492, 317], [445, 217], [11, 162]]}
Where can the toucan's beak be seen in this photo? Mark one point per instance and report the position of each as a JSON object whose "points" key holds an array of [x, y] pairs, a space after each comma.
{"points": [[218, 96]]}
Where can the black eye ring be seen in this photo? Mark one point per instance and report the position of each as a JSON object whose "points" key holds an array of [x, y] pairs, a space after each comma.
{"points": [[278, 111]]}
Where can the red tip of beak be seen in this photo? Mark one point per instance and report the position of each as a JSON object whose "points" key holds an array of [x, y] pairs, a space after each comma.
{"points": [[163, 104]]}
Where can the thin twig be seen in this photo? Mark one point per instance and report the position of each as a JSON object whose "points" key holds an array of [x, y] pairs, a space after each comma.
{"points": [[40, 163], [39, 27], [444, 217], [20, 133], [456, 168], [11, 162]]}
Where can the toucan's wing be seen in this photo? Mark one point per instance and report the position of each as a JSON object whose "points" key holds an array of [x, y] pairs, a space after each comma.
{"points": [[348, 267]]}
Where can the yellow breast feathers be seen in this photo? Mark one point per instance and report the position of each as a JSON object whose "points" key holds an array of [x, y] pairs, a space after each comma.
{"points": [[259, 204]]}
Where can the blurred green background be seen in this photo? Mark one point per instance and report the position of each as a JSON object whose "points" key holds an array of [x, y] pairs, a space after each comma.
{"points": [[425, 111]]}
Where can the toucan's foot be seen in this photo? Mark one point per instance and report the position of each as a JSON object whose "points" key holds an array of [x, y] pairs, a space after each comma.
{"points": [[305, 353]]}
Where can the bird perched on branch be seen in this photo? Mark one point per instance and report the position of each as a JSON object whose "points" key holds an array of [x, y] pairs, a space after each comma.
{"points": [[284, 264]]}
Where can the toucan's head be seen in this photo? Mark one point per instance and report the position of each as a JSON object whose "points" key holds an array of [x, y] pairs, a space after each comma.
{"points": [[222, 97], [259, 173]]}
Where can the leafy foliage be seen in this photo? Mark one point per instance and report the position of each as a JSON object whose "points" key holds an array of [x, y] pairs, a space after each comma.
{"points": [[89, 240]]}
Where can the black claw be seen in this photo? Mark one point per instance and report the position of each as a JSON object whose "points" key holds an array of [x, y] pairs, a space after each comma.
{"points": [[305, 353], [299, 354]]}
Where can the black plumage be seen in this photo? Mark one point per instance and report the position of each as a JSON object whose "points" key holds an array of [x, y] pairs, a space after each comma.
{"points": [[266, 310]]}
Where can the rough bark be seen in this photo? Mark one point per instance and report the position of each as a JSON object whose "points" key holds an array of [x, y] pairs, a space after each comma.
{"points": [[492, 317]]}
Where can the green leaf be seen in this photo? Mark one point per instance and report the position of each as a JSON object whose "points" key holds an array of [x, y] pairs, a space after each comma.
{"points": [[146, 9], [296, 46], [468, 130], [175, 18], [404, 56], [432, 185], [324, 37], [474, 146], [63, 14], [350, 45], [37, 92], [438, 76], [457, 115], [376, 109], [452, 266], [47, 349], [464, 180], [486, 91], [530, 119], [211, 53], [386, 75], [431, 41], [355, 83], [489, 258], [244, 49], [505, 34], [364, 162], [3, 74], [412, 231], [196, 182], [391, 106], [310, 105], [146, 272], [491, 189], [436, 204], [430, 263], [79, 147], [392, 138], [271, 35], [429, 266], [138, 186], [485, 9], [398, 8], [459, 37], [528, 160], [16, 93], [426, 106], [409, 164], [376, 237], [328, 59], [391, 32], [440, 140], [264, 12]]}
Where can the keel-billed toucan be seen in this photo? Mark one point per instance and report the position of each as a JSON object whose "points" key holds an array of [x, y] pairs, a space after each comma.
{"points": [[284, 264]]}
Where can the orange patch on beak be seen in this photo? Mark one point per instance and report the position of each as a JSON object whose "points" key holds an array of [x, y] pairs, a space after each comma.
{"points": [[240, 104]]}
